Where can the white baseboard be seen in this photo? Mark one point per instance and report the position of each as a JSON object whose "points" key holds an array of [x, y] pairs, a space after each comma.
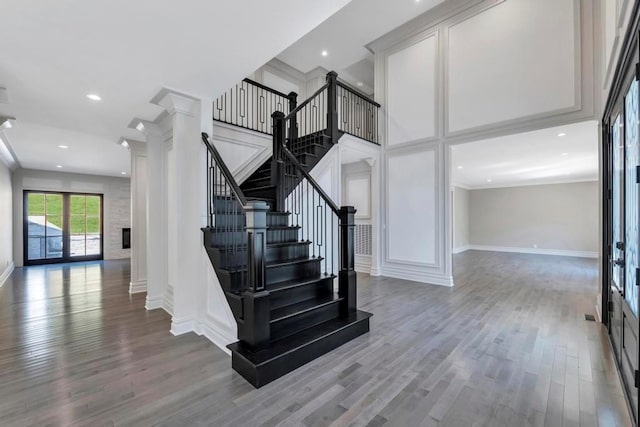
{"points": [[182, 325], [417, 276], [461, 249], [138, 287], [535, 251], [363, 264], [219, 335], [6, 273], [153, 303], [167, 301]]}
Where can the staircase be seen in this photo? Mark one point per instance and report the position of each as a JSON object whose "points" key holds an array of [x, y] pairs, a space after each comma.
{"points": [[279, 244]]}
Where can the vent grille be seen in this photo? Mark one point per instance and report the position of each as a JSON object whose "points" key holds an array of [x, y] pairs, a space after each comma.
{"points": [[363, 239]]}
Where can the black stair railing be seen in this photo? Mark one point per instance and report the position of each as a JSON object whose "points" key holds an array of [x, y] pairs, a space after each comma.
{"points": [[226, 216], [329, 228], [357, 114], [333, 108], [250, 105], [238, 229]]}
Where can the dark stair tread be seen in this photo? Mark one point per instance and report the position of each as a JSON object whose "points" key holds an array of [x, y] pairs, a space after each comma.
{"points": [[287, 311], [296, 283], [276, 264], [269, 245], [273, 264], [294, 342]]}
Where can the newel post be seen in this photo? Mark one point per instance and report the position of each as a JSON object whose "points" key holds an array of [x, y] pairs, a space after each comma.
{"points": [[332, 106], [277, 163], [347, 274], [255, 330], [293, 123]]}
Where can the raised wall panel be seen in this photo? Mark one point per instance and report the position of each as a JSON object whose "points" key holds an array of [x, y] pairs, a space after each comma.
{"points": [[512, 61], [412, 205], [411, 92], [358, 189]]}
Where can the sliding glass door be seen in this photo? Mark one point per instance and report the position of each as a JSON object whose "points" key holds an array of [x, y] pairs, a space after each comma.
{"points": [[62, 227]]}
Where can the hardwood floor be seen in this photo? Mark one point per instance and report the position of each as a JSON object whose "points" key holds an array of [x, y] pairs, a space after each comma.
{"points": [[508, 346]]}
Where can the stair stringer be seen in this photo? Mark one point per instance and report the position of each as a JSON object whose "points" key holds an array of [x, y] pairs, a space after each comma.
{"points": [[217, 322], [243, 150]]}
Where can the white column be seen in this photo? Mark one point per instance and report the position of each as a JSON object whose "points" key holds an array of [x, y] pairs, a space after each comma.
{"points": [[184, 208], [138, 216], [376, 216], [158, 293]]}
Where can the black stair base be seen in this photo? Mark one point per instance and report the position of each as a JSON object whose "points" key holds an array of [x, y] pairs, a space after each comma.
{"points": [[283, 356]]}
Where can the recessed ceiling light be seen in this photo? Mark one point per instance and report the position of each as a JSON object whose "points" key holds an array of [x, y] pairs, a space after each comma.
{"points": [[64, 147], [124, 143], [562, 134], [459, 167], [325, 53], [94, 97], [59, 166], [123, 173], [565, 154], [359, 84], [489, 180]]}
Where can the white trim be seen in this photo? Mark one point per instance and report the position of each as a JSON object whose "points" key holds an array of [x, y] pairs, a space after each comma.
{"points": [[7, 155], [536, 251], [6, 273], [167, 300], [138, 287], [363, 264], [232, 134], [527, 184], [218, 335], [182, 326], [153, 303], [461, 249], [417, 275]]}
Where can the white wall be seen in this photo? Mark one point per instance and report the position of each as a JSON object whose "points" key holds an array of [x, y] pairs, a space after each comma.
{"points": [[460, 219], [555, 218], [468, 70], [116, 200], [356, 192], [6, 221]]}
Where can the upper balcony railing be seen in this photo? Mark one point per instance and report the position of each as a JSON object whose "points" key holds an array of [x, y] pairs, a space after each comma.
{"points": [[333, 108], [250, 105]]}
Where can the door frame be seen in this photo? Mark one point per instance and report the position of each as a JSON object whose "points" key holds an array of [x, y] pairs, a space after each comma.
{"points": [[65, 232], [626, 69]]}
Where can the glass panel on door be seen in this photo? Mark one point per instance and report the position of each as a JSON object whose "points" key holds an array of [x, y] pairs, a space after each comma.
{"points": [[84, 224], [44, 226], [616, 202], [632, 160]]}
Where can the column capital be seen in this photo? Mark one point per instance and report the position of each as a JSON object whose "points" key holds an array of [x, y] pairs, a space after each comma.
{"points": [[175, 102], [138, 147], [151, 129]]}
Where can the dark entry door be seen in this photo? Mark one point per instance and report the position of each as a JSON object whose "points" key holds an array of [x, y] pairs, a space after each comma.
{"points": [[625, 236]]}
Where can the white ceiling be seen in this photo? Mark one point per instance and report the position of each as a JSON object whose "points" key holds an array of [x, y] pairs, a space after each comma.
{"points": [[55, 52], [345, 34], [529, 158]]}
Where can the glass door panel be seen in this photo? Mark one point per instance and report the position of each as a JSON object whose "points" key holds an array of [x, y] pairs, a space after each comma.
{"points": [[85, 225], [62, 227], [44, 214], [93, 226], [632, 160], [616, 201]]}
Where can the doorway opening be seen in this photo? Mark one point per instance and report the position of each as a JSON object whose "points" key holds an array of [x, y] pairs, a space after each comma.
{"points": [[62, 227]]}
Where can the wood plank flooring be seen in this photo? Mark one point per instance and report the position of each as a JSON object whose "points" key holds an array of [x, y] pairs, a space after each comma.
{"points": [[508, 346]]}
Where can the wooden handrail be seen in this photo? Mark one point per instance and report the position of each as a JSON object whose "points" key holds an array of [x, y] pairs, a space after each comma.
{"points": [[311, 181], [358, 94], [301, 106], [225, 171]]}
